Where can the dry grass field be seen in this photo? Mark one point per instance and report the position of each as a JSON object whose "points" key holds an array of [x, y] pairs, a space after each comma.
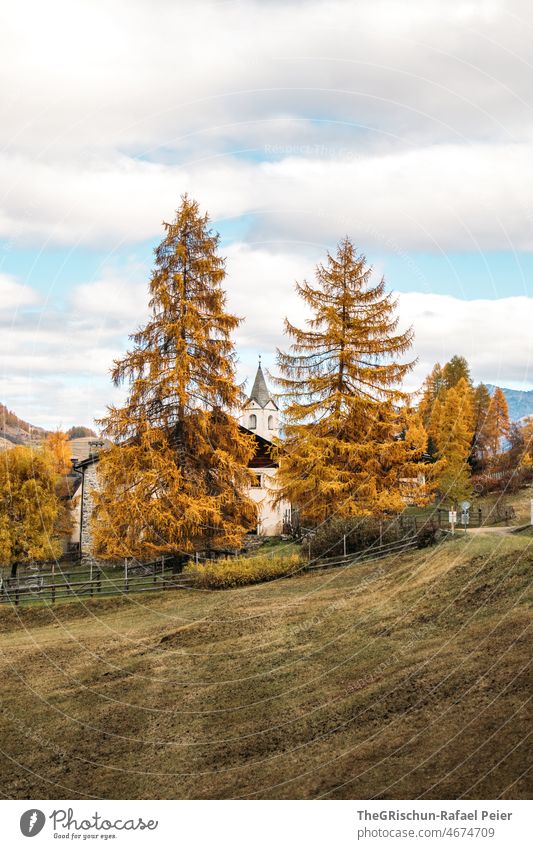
{"points": [[402, 678]]}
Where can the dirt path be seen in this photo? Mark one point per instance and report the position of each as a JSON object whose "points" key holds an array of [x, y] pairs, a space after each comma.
{"points": [[498, 531]]}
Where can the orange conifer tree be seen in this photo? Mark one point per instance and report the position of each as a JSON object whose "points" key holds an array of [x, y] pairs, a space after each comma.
{"points": [[344, 408], [57, 444], [454, 441], [29, 507], [497, 422], [176, 478]]}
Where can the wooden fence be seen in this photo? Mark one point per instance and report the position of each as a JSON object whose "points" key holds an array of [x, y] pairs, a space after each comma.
{"points": [[58, 585], [79, 583], [476, 519], [372, 553]]}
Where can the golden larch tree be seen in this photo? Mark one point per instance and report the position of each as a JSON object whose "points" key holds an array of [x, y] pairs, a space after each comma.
{"points": [[526, 432], [454, 442], [29, 507], [57, 444], [344, 408], [497, 422], [57, 447], [176, 478]]}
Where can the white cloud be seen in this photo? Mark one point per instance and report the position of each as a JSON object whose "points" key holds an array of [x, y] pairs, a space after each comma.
{"points": [[438, 197], [15, 295], [410, 121], [117, 72], [494, 335], [114, 302], [408, 125], [56, 364]]}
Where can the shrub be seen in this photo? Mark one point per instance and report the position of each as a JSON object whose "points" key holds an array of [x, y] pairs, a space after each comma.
{"points": [[428, 535], [239, 571], [360, 532], [504, 481]]}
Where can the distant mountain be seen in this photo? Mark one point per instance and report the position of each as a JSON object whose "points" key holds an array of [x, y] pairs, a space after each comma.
{"points": [[17, 431], [520, 401]]}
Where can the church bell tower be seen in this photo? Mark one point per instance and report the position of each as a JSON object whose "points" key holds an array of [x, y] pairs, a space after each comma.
{"points": [[261, 414]]}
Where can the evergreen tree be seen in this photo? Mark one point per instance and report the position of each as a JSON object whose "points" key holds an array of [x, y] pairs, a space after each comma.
{"points": [[344, 409], [480, 446], [29, 507], [454, 442], [455, 370], [435, 425], [433, 389], [176, 478]]}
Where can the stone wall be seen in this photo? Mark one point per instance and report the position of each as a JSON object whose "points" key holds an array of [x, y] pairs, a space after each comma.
{"points": [[90, 482]]}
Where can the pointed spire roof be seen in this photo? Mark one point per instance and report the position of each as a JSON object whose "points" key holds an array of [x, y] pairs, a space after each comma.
{"points": [[260, 391]]}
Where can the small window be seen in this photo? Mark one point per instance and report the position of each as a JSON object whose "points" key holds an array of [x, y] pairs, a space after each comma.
{"points": [[257, 482], [253, 422], [271, 422]]}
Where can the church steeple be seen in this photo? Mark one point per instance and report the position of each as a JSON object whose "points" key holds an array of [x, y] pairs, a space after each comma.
{"points": [[260, 414], [260, 391]]}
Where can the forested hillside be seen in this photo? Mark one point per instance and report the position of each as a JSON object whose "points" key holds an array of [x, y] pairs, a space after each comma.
{"points": [[16, 430]]}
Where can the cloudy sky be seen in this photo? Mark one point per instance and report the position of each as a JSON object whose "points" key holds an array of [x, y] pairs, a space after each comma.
{"points": [[407, 125]]}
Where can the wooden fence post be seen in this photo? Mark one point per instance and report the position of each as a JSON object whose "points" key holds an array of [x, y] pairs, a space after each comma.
{"points": [[126, 587]]}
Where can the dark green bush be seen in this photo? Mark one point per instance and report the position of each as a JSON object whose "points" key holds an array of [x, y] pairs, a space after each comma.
{"points": [[428, 535], [361, 533]]}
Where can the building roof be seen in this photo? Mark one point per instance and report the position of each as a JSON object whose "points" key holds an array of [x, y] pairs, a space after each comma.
{"points": [[261, 458], [260, 392]]}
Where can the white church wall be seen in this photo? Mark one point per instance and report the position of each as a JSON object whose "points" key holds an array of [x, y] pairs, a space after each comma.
{"points": [[270, 517]]}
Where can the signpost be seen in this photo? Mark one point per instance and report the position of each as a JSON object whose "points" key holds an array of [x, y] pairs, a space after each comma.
{"points": [[452, 518], [465, 517]]}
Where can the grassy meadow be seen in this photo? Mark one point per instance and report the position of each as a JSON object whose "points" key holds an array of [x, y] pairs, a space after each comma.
{"points": [[402, 678]]}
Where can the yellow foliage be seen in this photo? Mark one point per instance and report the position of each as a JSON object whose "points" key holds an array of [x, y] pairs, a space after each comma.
{"points": [[343, 454], [239, 571], [454, 441], [176, 479], [29, 506], [57, 445], [497, 422]]}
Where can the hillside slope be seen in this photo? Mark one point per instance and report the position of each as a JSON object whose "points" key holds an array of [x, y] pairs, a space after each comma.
{"points": [[403, 678], [16, 430]]}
